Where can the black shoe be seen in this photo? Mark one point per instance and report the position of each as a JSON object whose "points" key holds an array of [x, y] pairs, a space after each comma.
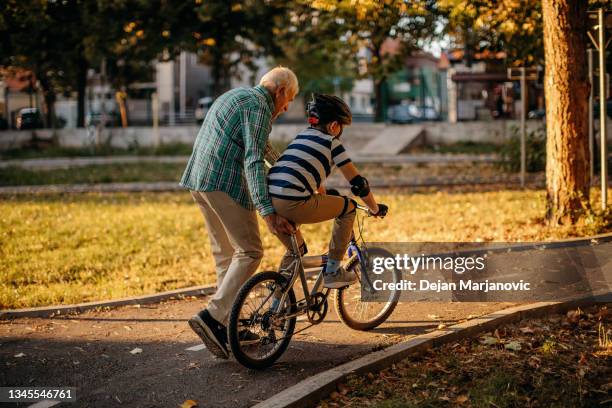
{"points": [[212, 333]]}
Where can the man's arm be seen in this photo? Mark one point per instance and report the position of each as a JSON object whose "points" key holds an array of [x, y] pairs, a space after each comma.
{"points": [[256, 127], [271, 156]]}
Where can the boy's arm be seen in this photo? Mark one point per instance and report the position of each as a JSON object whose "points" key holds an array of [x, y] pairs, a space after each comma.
{"points": [[349, 171]]}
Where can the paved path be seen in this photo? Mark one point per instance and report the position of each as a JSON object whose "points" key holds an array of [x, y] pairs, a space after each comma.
{"points": [[91, 351], [69, 162]]}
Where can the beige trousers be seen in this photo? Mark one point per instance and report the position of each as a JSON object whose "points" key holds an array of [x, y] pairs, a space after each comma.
{"points": [[236, 247], [319, 208]]}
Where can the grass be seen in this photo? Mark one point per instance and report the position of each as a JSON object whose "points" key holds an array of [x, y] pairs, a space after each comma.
{"points": [[513, 370], [464, 147], [167, 149], [155, 171], [115, 173], [61, 249]]}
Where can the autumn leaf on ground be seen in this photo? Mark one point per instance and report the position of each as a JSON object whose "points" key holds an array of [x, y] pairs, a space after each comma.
{"points": [[189, 404], [513, 345], [488, 340]]}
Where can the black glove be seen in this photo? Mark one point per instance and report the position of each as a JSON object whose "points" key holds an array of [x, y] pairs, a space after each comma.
{"points": [[382, 210]]}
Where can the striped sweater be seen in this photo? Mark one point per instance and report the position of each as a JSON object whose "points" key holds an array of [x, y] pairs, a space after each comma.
{"points": [[305, 165]]}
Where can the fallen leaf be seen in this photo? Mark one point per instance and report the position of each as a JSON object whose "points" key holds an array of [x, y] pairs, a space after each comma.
{"points": [[19, 355], [189, 404], [488, 340], [461, 399], [513, 345], [137, 350]]}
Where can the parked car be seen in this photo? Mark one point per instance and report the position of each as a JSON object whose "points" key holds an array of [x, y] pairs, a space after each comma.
{"points": [[28, 118], [201, 110], [428, 113], [401, 114], [410, 113]]}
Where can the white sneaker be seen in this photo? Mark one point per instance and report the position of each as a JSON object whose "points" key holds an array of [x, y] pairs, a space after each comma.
{"points": [[339, 279]]}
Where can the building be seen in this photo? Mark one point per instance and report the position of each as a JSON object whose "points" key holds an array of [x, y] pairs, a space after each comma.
{"points": [[479, 89]]}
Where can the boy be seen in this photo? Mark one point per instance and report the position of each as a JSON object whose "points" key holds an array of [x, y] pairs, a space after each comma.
{"points": [[295, 184]]}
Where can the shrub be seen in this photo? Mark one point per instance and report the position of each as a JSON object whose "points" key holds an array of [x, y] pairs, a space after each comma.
{"points": [[535, 151]]}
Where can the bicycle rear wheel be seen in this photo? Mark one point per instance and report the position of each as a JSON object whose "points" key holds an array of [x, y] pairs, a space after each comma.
{"points": [[258, 335], [366, 315]]}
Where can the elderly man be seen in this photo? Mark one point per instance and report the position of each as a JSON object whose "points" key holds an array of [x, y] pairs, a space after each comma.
{"points": [[227, 180]]}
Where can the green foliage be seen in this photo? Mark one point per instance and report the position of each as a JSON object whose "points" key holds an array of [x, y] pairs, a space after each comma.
{"points": [[535, 150], [322, 39], [512, 26]]}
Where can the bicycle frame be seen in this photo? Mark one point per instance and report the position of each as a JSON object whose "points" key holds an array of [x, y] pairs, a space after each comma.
{"points": [[300, 263]]}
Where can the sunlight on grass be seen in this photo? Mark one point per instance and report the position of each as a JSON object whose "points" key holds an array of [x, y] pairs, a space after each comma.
{"points": [[64, 249]]}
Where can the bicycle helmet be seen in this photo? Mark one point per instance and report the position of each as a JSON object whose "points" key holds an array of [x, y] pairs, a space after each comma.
{"points": [[324, 109]]}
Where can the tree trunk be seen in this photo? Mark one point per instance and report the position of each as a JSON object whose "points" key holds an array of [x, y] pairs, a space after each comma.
{"points": [[566, 91], [50, 97], [81, 89], [379, 95], [219, 73]]}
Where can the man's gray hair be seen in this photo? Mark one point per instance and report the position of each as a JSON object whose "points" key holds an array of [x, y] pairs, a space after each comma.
{"points": [[280, 76]]}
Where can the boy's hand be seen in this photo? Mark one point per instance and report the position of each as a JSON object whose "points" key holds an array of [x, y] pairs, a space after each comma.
{"points": [[382, 211], [278, 224]]}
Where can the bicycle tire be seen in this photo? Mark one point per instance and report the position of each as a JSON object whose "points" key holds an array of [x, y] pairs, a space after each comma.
{"points": [[366, 324], [234, 322]]}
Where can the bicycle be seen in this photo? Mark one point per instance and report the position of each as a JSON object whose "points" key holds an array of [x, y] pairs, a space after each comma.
{"points": [[266, 306]]}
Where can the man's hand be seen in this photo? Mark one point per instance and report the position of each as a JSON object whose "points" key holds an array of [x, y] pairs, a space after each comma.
{"points": [[277, 224]]}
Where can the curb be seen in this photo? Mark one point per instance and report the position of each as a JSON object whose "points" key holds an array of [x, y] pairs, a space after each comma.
{"points": [[51, 311], [311, 390]]}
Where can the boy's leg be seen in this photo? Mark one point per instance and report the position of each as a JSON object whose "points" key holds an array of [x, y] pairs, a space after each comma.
{"points": [[341, 233], [319, 208]]}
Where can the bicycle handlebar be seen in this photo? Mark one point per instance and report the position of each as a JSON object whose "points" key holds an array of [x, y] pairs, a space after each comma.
{"points": [[367, 210]]}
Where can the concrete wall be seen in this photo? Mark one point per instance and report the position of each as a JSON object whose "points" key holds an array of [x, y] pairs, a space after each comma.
{"points": [[354, 137]]}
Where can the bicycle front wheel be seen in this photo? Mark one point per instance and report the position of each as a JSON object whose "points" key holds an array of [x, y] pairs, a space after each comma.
{"points": [[366, 315], [258, 331]]}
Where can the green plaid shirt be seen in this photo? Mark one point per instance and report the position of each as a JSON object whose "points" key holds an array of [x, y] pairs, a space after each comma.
{"points": [[228, 153]]}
